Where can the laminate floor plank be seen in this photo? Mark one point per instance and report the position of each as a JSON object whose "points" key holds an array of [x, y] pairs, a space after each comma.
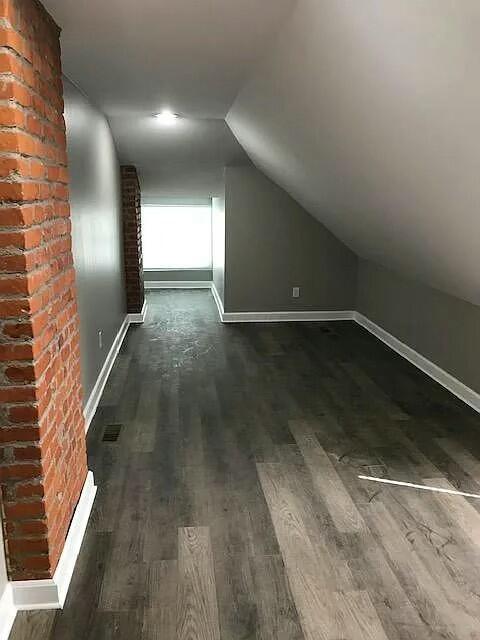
{"points": [[430, 596], [343, 511], [230, 507], [276, 611], [85, 588], [305, 573], [433, 532], [324, 613], [159, 618], [197, 606], [437, 550], [373, 574], [31, 625], [237, 606], [324, 537], [460, 509], [144, 426], [469, 463]]}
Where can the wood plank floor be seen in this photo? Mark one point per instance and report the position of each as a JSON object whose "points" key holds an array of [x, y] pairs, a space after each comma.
{"points": [[230, 507]]}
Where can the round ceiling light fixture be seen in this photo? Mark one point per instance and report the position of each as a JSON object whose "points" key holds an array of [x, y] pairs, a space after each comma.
{"points": [[167, 117]]}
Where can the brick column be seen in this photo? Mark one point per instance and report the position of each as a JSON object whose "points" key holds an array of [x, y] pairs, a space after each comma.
{"points": [[132, 239], [42, 442]]}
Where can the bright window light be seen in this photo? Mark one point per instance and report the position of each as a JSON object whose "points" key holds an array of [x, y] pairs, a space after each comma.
{"points": [[177, 237]]}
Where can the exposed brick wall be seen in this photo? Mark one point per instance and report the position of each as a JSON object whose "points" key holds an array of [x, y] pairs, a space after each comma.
{"points": [[42, 442], [132, 239]]}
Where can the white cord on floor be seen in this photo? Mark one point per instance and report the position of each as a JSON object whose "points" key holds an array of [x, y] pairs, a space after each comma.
{"points": [[420, 486]]}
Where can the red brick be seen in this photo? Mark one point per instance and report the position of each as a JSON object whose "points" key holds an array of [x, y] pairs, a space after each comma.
{"points": [[37, 562], [132, 240], [21, 374], [31, 527], [16, 352], [17, 394], [42, 451], [19, 471], [13, 90], [17, 216], [28, 546], [24, 510], [26, 454], [9, 37], [13, 166], [23, 239], [23, 413], [11, 435]]}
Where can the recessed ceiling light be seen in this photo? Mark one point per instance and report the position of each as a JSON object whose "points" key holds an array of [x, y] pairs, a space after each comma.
{"points": [[167, 117]]}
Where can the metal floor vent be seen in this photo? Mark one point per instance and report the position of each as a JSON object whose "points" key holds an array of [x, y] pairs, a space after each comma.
{"points": [[111, 432]]}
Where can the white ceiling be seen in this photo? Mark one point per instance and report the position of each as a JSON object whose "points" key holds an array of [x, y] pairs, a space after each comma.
{"points": [[134, 58], [185, 159], [368, 114]]}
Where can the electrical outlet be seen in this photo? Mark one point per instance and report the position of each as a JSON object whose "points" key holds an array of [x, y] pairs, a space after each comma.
{"points": [[100, 339], [296, 292]]}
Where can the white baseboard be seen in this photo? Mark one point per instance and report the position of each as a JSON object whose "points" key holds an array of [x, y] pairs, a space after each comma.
{"points": [[138, 318], [96, 394], [8, 611], [50, 594], [287, 316], [277, 316], [452, 384], [464, 393], [178, 284], [218, 301]]}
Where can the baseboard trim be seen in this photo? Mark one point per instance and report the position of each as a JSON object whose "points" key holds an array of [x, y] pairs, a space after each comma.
{"points": [[138, 318], [218, 301], [449, 382], [178, 284], [96, 394], [287, 316], [276, 316], [50, 594], [8, 612], [452, 384]]}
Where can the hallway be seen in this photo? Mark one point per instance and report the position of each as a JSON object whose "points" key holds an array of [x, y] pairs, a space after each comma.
{"points": [[230, 507]]}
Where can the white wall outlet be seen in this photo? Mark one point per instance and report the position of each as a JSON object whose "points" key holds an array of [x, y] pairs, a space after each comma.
{"points": [[296, 292], [100, 339]]}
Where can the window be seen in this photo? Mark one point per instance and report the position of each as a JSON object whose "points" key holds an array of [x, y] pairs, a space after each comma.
{"points": [[177, 237]]}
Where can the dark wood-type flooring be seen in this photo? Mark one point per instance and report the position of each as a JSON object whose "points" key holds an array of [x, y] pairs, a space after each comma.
{"points": [[230, 507]]}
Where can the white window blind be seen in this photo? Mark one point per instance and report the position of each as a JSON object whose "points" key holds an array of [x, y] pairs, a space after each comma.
{"points": [[177, 237]]}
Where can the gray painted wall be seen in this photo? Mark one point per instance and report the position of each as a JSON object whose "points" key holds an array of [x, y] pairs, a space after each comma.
{"points": [[177, 275], [367, 113], [273, 244], [218, 243], [96, 230], [444, 329]]}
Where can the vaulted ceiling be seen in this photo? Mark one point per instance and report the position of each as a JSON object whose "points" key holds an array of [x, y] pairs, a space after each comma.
{"points": [[133, 59], [368, 114]]}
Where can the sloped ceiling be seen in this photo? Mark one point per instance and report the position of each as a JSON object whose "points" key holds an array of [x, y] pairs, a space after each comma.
{"points": [[368, 113], [135, 58], [185, 160]]}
